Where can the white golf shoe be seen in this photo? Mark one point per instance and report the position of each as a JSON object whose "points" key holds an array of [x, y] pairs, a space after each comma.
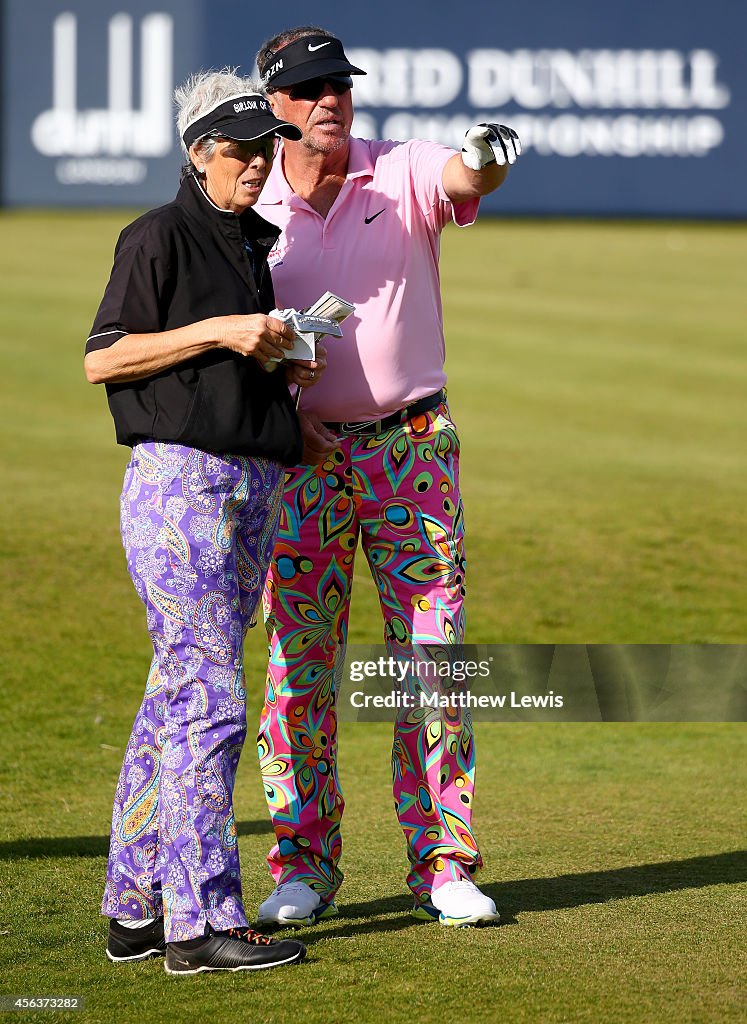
{"points": [[458, 905], [294, 905]]}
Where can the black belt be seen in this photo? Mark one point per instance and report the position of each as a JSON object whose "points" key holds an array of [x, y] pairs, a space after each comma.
{"points": [[388, 422]]}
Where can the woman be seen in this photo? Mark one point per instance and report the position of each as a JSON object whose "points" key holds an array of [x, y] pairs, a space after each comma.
{"points": [[183, 342]]}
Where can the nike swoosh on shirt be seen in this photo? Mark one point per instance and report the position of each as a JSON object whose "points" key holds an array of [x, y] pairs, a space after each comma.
{"points": [[318, 46], [367, 220]]}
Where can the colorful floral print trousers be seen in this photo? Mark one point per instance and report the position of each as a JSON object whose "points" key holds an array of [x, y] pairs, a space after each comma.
{"points": [[198, 531], [398, 491]]}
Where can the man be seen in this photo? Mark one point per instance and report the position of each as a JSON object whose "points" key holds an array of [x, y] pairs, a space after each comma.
{"points": [[363, 219]]}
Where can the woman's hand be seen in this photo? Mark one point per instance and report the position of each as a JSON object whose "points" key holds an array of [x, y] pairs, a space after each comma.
{"points": [[257, 335], [306, 372]]}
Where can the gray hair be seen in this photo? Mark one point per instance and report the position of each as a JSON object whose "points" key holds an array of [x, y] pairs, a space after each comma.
{"points": [[203, 91]]}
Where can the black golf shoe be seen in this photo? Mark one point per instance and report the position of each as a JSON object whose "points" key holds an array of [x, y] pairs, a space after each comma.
{"points": [[130, 944], [238, 949]]}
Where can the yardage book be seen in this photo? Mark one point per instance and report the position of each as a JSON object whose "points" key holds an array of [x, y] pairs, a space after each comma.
{"points": [[323, 317], [331, 306]]}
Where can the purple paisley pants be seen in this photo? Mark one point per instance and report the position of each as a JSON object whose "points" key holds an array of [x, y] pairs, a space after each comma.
{"points": [[198, 531]]}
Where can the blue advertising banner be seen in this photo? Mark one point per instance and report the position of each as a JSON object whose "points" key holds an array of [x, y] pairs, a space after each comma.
{"points": [[623, 109], [87, 99]]}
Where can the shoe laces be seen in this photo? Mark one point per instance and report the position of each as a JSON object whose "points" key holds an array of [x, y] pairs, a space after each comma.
{"points": [[461, 885], [251, 936], [293, 887]]}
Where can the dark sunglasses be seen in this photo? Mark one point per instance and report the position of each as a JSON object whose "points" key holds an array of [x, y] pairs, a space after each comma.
{"points": [[314, 87], [267, 145]]}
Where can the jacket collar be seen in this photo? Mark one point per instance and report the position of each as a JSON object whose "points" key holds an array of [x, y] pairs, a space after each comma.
{"points": [[248, 224]]}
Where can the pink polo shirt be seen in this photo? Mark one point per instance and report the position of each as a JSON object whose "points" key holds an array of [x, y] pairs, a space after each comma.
{"points": [[378, 248]]}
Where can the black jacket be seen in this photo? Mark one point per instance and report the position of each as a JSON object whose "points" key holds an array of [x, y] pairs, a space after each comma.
{"points": [[173, 266]]}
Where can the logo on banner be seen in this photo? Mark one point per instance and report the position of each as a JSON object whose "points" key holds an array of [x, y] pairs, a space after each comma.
{"points": [[109, 145], [628, 103]]}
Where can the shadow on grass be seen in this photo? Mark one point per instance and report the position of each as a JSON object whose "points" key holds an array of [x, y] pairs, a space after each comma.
{"points": [[521, 896], [92, 846], [529, 895]]}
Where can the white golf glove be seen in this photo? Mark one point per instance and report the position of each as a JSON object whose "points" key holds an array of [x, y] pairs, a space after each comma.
{"points": [[488, 144]]}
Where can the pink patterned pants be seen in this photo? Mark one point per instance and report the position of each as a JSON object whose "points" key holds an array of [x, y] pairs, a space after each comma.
{"points": [[398, 492]]}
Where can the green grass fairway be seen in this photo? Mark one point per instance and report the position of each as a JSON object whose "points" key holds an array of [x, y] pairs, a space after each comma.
{"points": [[598, 375]]}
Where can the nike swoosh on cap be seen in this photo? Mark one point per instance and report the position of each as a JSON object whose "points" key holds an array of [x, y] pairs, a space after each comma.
{"points": [[318, 46]]}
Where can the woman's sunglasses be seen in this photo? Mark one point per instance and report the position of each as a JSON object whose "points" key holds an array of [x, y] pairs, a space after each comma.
{"points": [[267, 145], [314, 87]]}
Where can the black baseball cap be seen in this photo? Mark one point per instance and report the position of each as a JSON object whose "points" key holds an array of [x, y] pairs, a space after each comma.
{"points": [[306, 58], [241, 118]]}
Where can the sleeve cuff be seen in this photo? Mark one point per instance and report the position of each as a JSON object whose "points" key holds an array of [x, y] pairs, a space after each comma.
{"points": [[103, 339], [464, 214]]}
